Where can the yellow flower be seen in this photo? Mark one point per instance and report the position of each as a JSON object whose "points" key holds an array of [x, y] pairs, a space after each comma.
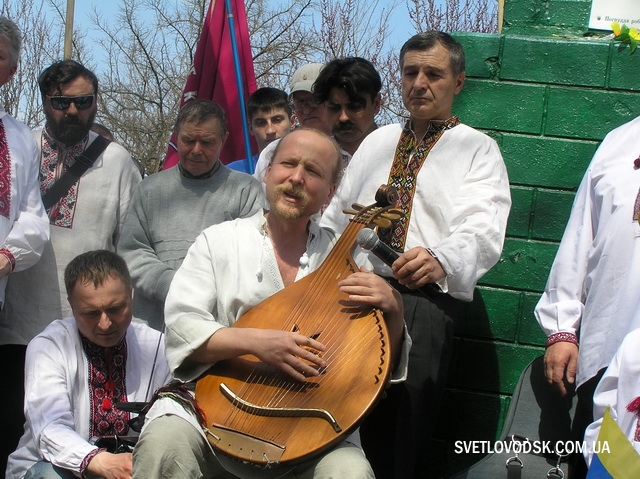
{"points": [[615, 26], [634, 33]]}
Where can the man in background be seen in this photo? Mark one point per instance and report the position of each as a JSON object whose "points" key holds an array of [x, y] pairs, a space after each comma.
{"points": [[170, 208], [88, 215], [350, 90], [270, 118], [307, 111]]}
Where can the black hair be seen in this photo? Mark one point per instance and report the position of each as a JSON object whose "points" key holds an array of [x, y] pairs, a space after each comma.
{"points": [[355, 75], [62, 72]]}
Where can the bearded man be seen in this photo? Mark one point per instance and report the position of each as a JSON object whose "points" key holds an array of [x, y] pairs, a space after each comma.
{"points": [[86, 215]]}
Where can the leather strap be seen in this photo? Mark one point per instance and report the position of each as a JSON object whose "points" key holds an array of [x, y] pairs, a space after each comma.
{"points": [[85, 161], [514, 468]]}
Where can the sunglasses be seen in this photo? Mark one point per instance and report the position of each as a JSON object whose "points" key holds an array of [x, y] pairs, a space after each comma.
{"points": [[64, 102]]}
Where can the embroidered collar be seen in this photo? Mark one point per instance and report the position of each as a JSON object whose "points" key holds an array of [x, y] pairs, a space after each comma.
{"points": [[434, 126], [107, 386], [93, 349]]}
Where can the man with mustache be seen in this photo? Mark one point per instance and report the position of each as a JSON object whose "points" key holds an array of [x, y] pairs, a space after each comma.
{"points": [[454, 193], [89, 215], [341, 98], [232, 267], [350, 89]]}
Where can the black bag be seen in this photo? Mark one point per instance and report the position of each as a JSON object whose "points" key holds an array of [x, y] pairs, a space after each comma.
{"points": [[539, 415], [116, 444], [86, 159]]}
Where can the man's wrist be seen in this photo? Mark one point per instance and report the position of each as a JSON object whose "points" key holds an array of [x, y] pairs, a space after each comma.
{"points": [[562, 337], [87, 459], [12, 261]]}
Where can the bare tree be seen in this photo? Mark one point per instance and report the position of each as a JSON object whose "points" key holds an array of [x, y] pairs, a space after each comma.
{"points": [[281, 39], [144, 49], [454, 15], [40, 47]]}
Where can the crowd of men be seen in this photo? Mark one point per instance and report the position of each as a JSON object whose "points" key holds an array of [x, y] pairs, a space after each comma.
{"points": [[88, 246]]}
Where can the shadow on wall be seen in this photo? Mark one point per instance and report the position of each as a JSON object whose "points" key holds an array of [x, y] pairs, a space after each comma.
{"points": [[472, 409]]}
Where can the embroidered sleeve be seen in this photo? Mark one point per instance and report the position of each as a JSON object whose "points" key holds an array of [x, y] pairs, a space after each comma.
{"points": [[560, 337], [9, 256], [87, 460]]}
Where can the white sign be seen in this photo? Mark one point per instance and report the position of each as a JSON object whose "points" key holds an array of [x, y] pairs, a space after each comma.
{"points": [[605, 12]]}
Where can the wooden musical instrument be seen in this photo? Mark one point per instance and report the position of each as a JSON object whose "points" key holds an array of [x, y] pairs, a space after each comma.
{"points": [[261, 416]]}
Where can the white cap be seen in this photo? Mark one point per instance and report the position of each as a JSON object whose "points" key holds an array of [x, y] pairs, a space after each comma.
{"points": [[304, 77]]}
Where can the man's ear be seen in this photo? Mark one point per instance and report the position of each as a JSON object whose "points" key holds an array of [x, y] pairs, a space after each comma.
{"points": [[377, 103], [332, 191], [12, 72], [459, 82]]}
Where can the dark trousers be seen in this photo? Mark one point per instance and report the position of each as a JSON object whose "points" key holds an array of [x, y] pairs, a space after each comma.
{"points": [[583, 416], [11, 400], [395, 436]]}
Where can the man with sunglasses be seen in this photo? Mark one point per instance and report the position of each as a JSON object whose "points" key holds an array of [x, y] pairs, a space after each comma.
{"points": [[88, 215]]}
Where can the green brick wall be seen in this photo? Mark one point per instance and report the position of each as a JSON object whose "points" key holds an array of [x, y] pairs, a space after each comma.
{"points": [[548, 91]]}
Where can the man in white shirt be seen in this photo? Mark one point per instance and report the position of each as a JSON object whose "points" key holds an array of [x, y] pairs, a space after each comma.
{"points": [[77, 371], [590, 301], [454, 193], [24, 228], [231, 268]]}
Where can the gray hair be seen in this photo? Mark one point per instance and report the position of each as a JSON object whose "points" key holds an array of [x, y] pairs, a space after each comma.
{"points": [[428, 40], [11, 33]]}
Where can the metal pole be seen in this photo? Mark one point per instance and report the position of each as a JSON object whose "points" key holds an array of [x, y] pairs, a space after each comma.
{"points": [[243, 106], [500, 15], [68, 29]]}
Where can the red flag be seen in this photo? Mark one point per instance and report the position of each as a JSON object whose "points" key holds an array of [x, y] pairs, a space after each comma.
{"points": [[213, 76]]}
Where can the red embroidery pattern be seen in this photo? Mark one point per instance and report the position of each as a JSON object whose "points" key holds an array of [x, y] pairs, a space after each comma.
{"points": [[107, 385], [61, 214], [562, 337], [634, 407], [404, 171], [5, 174]]}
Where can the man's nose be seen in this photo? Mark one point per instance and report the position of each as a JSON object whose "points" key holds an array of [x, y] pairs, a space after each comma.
{"points": [[105, 322], [72, 110], [197, 148], [422, 82], [270, 128]]}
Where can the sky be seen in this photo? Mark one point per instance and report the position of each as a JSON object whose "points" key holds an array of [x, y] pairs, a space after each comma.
{"points": [[400, 21]]}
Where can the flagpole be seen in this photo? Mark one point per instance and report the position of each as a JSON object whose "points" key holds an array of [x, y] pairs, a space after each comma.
{"points": [[68, 29], [243, 106]]}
